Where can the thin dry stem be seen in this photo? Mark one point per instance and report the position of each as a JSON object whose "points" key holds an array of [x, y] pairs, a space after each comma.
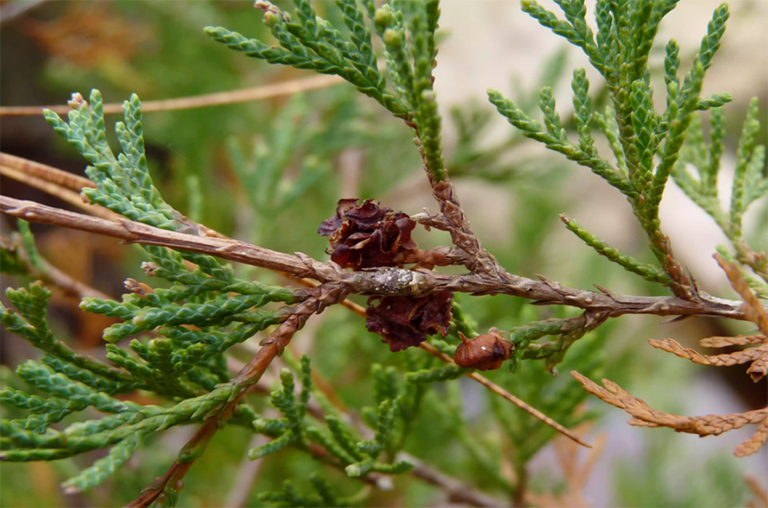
{"points": [[752, 308], [575, 472], [45, 172], [258, 93], [58, 191], [53, 276], [247, 473], [738, 340], [723, 360], [759, 492], [709, 425]]}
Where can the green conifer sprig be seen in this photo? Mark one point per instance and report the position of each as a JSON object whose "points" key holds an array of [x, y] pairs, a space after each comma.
{"points": [[357, 456], [314, 44], [28, 243], [105, 467], [533, 129], [435, 375], [12, 260], [262, 171], [560, 399], [648, 272], [637, 133], [21, 445], [31, 324], [289, 496], [422, 23], [749, 183], [75, 382], [408, 32], [123, 183]]}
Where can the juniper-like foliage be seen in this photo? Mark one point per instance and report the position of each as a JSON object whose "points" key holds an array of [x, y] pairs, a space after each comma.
{"points": [[205, 311], [188, 328], [648, 145]]}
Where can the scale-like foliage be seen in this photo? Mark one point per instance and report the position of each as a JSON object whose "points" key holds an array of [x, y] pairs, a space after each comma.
{"points": [[184, 333]]}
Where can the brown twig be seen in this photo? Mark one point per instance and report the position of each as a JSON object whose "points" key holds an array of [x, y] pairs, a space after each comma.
{"points": [[759, 493], [289, 87], [383, 282], [45, 172], [457, 491], [58, 191], [709, 425], [51, 275]]}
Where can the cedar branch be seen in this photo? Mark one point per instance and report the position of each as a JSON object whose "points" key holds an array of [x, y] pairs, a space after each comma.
{"points": [[375, 282]]}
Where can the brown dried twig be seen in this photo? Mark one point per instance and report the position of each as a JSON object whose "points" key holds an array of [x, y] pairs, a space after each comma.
{"points": [[48, 273], [757, 355], [753, 310], [47, 173], [384, 282], [760, 495], [289, 87], [709, 425]]}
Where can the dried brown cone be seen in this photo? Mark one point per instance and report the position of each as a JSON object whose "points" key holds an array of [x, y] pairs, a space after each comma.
{"points": [[367, 235], [709, 425], [405, 321]]}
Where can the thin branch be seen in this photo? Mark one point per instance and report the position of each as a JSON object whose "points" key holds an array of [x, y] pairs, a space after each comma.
{"points": [[58, 191], [45, 172], [381, 282], [258, 93], [247, 377], [52, 275], [458, 492]]}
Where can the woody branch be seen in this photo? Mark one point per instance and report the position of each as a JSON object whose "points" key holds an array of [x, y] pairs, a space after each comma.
{"points": [[380, 282]]}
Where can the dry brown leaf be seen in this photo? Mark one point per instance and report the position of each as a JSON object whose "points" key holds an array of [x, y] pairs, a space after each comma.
{"points": [[708, 425], [759, 367], [757, 355], [738, 340], [752, 308], [754, 443]]}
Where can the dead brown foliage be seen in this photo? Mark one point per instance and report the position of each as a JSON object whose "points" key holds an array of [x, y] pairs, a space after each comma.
{"points": [[708, 425]]}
